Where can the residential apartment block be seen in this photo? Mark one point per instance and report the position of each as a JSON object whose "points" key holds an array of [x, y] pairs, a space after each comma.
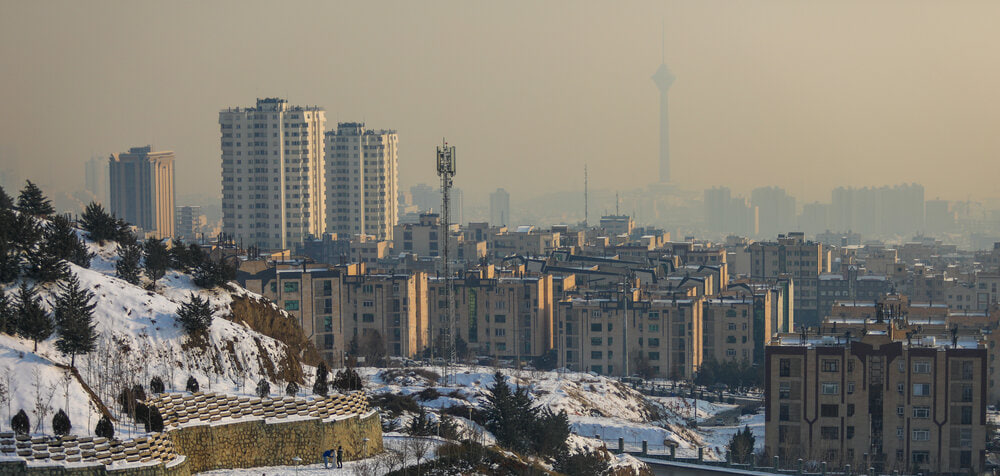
{"points": [[912, 406], [793, 257], [362, 182], [272, 173]]}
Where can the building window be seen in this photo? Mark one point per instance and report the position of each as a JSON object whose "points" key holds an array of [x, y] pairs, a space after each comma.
{"points": [[900, 411], [850, 432], [966, 370], [829, 365], [966, 393], [292, 305], [784, 390], [829, 411], [965, 459], [921, 412], [850, 409], [784, 368], [595, 327], [850, 388], [900, 433], [291, 286], [500, 319], [901, 388], [368, 318], [921, 389], [653, 342], [596, 341], [830, 388], [829, 432], [596, 355], [966, 415], [921, 367], [783, 412], [921, 435]]}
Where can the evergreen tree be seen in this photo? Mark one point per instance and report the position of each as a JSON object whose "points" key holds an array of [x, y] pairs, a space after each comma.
{"points": [[45, 266], [61, 424], [5, 200], [99, 224], [263, 388], [195, 315], [155, 423], [192, 384], [20, 423], [25, 232], [291, 389], [740, 447], [347, 380], [321, 387], [421, 424], [129, 255], [61, 240], [74, 313], [8, 314], [104, 428], [589, 463], [509, 415], [32, 320], [157, 259], [10, 261], [156, 385], [552, 430], [211, 273], [33, 202]]}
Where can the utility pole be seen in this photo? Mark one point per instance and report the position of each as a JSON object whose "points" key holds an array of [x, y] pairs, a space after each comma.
{"points": [[446, 170]]}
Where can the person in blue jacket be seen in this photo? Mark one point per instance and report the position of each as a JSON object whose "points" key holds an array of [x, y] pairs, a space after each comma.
{"points": [[327, 456]]}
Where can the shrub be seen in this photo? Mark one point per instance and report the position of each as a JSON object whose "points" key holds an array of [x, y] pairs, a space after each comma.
{"points": [[429, 393], [61, 424], [20, 423], [347, 380], [321, 387], [155, 423], [395, 404], [104, 428], [291, 389], [263, 388], [192, 384], [156, 385]]}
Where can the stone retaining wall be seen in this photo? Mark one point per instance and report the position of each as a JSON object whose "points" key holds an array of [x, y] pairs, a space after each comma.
{"points": [[241, 444]]}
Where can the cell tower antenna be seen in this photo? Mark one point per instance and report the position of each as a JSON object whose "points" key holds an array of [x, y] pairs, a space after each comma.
{"points": [[586, 202], [446, 170]]}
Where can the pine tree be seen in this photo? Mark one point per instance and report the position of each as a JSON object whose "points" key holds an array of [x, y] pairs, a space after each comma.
{"points": [[20, 423], [61, 424], [99, 224], [44, 264], [740, 447], [552, 430], [25, 232], [32, 321], [421, 424], [5, 200], [509, 415], [211, 273], [291, 389], [74, 313], [61, 240], [157, 259], [155, 423], [129, 255], [33, 202], [104, 428], [321, 387], [347, 380], [10, 261], [8, 314], [156, 385], [195, 315], [192, 384], [263, 388]]}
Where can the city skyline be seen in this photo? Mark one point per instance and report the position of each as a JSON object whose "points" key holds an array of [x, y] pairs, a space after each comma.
{"points": [[750, 100]]}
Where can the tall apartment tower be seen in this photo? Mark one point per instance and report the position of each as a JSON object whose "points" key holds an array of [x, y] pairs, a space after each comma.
{"points": [[142, 189], [96, 178], [361, 181], [272, 173], [499, 208]]}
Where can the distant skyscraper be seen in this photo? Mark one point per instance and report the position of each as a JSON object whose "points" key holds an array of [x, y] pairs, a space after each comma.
{"points": [[272, 173], [425, 197], [362, 181], [499, 208], [189, 222], [96, 178], [776, 210], [142, 189], [664, 79]]}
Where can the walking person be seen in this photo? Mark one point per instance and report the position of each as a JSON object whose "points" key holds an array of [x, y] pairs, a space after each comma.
{"points": [[340, 456]]}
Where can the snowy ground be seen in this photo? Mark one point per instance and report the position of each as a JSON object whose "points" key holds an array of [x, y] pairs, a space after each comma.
{"points": [[597, 407]]}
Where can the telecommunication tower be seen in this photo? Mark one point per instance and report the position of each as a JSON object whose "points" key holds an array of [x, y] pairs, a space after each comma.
{"points": [[446, 170]]}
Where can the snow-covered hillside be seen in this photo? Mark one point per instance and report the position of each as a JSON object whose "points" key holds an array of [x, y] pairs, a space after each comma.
{"points": [[139, 338], [596, 406]]}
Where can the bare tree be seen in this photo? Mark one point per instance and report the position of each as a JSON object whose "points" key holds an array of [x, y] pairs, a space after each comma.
{"points": [[419, 448], [66, 381], [5, 390], [43, 399]]}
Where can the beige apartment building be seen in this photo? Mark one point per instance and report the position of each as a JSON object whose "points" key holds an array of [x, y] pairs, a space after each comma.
{"points": [[915, 407], [793, 257], [142, 189], [423, 239], [502, 317], [602, 335], [361, 181], [387, 308], [736, 328], [272, 173]]}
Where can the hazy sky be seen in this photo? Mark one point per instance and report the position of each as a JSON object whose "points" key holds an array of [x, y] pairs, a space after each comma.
{"points": [[804, 95]]}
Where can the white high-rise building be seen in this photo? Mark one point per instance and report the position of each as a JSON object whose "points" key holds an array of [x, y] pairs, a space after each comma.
{"points": [[362, 181], [272, 173], [500, 208]]}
